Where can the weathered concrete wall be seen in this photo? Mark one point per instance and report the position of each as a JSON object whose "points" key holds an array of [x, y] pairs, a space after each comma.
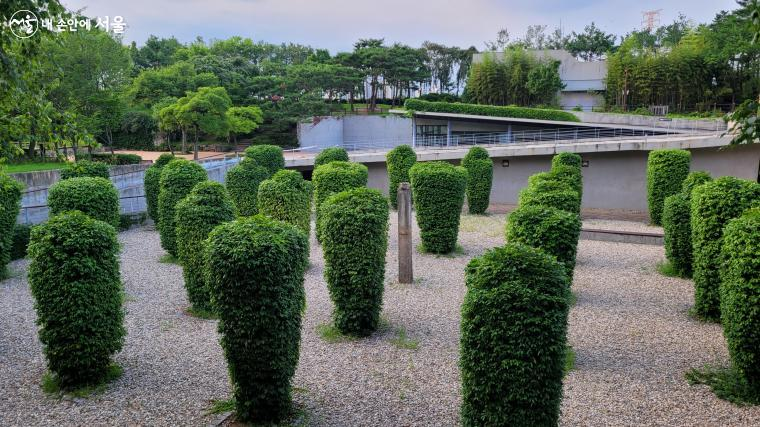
{"points": [[317, 135], [587, 100], [355, 132], [650, 121]]}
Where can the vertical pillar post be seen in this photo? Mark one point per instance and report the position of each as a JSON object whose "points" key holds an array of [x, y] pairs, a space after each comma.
{"points": [[448, 133], [414, 132], [405, 270]]}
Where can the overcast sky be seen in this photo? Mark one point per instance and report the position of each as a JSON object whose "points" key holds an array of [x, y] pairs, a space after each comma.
{"points": [[336, 24]]}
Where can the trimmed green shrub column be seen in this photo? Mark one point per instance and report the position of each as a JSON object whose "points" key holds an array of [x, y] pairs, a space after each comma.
{"points": [[333, 178], [96, 197], [255, 268], [693, 180], [570, 176], [10, 204], [514, 324], [676, 222], [207, 206], [178, 178], [243, 182], [398, 161], [74, 278], [740, 295], [438, 190], [152, 183], [330, 154], [713, 204], [479, 179], [566, 159], [20, 241], [268, 156], [287, 197], [355, 238], [566, 200], [86, 168], [666, 171]]}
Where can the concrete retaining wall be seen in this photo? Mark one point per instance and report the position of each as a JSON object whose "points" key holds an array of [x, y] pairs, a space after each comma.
{"points": [[354, 132], [651, 121]]}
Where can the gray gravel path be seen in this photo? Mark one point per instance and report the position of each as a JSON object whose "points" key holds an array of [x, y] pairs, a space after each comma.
{"points": [[629, 329]]}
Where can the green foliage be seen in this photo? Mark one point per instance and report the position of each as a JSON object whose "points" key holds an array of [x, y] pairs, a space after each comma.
{"points": [[355, 239], [152, 184], [51, 384], [693, 179], [676, 221], [96, 197], [244, 119], [713, 204], [513, 345], [10, 204], [20, 241], [567, 159], [86, 168], [137, 131], [330, 154], [398, 161], [727, 383], [116, 159], [333, 178], [554, 231], [438, 189], [569, 175], [243, 182], [286, 197], [479, 179], [666, 171], [268, 156], [488, 110], [178, 178], [74, 278], [563, 199], [255, 268], [740, 295], [207, 206]]}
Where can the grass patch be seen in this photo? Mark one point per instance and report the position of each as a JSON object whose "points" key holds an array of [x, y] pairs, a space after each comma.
{"points": [[726, 383], [51, 383], [168, 259], [297, 417], [569, 359], [32, 167], [329, 333], [221, 406], [125, 297], [572, 300], [201, 314], [403, 342], [458, 250], [667, 269]]}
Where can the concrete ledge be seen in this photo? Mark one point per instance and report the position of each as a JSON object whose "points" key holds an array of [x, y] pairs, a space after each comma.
{"points": [[622, 236]]}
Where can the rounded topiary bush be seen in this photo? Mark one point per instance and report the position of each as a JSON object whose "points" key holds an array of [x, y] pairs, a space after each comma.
{"points": [[676, 222], [740, 295], [152, 183], [694, 179], [255, 268], [713, 204], [20, 243], [10, 204], [331, 154], [514, 324], [96, 197], [207, 206], [86, 168], [438, 190], [178, 178], [243, 182], [74, 278], [666, 171], [333, 178], [286, 196], [554, 231], [566, 159], [479, 179], [268, 156], [569, 175], [566, 200], [355, 238], [399, 161]]}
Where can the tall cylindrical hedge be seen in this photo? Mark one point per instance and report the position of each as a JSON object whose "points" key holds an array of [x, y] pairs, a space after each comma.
{"points": [[566, 200], [255, 267], [74, 278], [398, 161], [96, 197], [330, 154], [355, 238], [438, 190], [86, 168], [269, 156], [513, 343], [570, 175], [552, 230], [713, 204], [666, 171], [286, 196], [694, 179], [566, 159], [676, 222], [178, 178], [740, 295], [333, 178], [10, 204], [20, 243], [152, 184], [243, 182], [207, 206], [479, 179]]}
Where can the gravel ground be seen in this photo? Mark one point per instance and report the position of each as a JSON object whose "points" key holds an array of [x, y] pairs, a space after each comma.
{"points": [[629, 328]]}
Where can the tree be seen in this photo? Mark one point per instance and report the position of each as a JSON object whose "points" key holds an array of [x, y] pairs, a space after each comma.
{"points": [[152, 85], [372, 57], [155, 53], [243, 120], [591, 44], [204, 111]]}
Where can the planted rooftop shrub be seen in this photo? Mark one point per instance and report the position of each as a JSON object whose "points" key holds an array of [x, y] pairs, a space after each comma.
{"points": [[713, 204], [566, 200], [399, 160], [666, 171], [566, 159], [333, 178], [479, 179], [74, 279], [268, 156], [86, 168], [438, 190], [255, 268], [488, 110], [10, 204], [96, 197], [330, 154], [286, 196], [207, 206], [514, 324], [243, 182], [355, 239], [178, 178], [152, 182]]}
